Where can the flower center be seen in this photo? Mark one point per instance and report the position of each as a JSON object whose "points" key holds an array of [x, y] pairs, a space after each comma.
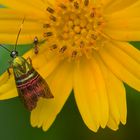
{"points": [[73, 28]]}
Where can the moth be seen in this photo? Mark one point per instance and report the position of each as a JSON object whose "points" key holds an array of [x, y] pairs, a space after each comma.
{"points": [[30, 85]]}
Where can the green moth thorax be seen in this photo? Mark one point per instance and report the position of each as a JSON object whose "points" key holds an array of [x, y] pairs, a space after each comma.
{"points": [[20, 66]]}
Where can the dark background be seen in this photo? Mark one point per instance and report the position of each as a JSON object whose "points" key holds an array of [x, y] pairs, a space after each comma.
{"points": [[15, 120]]}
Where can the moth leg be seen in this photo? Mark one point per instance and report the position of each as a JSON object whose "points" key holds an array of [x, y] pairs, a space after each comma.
{"points": [[30, 60], [10, 67], [10, 62], [8, 70], [9, 73]]}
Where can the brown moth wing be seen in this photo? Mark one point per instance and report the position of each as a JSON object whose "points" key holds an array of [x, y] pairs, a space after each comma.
{"points": [[30, 87]]}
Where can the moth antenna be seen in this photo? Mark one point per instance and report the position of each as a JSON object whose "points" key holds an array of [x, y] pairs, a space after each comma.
{"points": [[19, 34], [5, 48]]}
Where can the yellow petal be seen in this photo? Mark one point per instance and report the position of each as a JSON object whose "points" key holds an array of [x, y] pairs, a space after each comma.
{"points": [[102, 93], [33, 8], [105, 3], [90, 94], [86, 97], [10, 23], [121, 64], [51, 2], [125, 24], [116, 96], [7, 86], [117, 5], [123, 58], [7, 13], [130, 11], [60, 82], [112, 124], [124, 36], [130, 50], [123, 29]]}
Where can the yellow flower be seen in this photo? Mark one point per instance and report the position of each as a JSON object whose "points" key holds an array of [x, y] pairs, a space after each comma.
{"points": [[85, 50]]}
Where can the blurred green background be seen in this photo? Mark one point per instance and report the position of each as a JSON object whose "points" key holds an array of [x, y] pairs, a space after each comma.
{"points": [[15, 120]]}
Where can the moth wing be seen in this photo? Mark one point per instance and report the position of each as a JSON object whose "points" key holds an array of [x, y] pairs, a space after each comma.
{"points": [[48, 93], [31, 89]]}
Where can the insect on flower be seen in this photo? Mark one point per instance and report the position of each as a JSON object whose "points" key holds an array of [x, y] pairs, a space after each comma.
{"points": [[36, 45], [30, 85]]}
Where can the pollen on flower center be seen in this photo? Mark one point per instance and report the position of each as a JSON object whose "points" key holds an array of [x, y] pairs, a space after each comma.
{"points": [[74, 28]]}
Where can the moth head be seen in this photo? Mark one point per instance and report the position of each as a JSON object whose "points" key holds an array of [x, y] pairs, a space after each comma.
{"points": [[14, 54]]}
